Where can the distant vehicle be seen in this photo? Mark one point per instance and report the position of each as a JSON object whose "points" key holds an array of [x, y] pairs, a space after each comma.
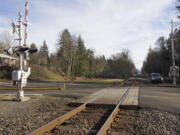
{"points": [[156, 77]]}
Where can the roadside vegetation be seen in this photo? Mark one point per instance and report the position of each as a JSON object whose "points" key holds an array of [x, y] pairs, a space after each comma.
{"points": [[159, 59], [72, 60]]}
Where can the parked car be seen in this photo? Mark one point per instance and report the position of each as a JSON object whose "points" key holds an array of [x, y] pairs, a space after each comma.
{"points": [[156, 77]]}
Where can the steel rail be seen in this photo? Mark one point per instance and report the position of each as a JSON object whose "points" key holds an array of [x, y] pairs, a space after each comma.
{"points": [[49, 126], [103, 130]]}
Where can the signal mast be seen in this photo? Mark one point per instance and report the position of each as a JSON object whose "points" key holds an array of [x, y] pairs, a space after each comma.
{"points": [[174, 70], [19, 77]]}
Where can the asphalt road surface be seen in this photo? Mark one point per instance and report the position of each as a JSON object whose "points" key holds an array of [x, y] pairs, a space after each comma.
{"points": [[73, 90], [162, 98], [150, 95]]}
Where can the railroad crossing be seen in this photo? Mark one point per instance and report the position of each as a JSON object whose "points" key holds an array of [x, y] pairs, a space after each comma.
{"points": [[86, 111], [111, 98]]}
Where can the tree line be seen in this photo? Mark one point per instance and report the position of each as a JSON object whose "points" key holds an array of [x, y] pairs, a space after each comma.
{"points": [[159, 59], [73, 59]]}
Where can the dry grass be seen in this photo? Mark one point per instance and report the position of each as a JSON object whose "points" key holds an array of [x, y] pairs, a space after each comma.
{"points": [[100, 80]]}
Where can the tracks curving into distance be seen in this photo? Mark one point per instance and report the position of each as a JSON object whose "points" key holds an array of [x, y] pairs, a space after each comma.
{"points": [[97, 120]]}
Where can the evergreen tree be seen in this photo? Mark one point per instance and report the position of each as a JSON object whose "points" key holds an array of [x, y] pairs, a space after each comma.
{"points": [[119, 65], [65, 52], [82, 65], [44, 54], [33, 57], [44, 49], [159, 59]]}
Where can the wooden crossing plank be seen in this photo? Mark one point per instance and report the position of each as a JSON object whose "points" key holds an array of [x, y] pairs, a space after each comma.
{"points": [[105, 96], [132, 97]]}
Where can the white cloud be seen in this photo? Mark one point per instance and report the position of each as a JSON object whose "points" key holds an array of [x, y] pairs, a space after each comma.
{"points": [[106, 25], [3, 23]]}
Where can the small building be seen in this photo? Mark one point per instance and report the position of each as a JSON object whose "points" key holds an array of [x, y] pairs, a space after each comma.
{"points": [[6, 60]]}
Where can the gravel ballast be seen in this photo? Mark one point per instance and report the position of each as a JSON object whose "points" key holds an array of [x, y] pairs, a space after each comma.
{"points": [[88, 121], [20, 118], [146, 122]]}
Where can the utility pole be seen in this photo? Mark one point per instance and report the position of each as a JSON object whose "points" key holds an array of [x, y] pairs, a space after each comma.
{"points": [[174, 70], [172, 43]]}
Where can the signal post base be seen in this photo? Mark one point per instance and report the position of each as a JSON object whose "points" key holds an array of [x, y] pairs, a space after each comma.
{"points": [[21, 97]]}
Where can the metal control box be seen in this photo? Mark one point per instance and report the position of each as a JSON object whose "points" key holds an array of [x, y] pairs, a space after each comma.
{"points": [[20, 76], [16, 75]]}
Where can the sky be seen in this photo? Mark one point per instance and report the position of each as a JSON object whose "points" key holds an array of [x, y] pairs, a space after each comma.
{"points": [[107, 26]]}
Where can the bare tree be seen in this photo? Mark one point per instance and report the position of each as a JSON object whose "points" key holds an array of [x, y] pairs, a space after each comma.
{"points": [[6, 40]]}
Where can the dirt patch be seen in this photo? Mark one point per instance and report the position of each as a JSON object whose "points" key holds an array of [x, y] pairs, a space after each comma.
{"points": [[19, 118], [146, 122]]}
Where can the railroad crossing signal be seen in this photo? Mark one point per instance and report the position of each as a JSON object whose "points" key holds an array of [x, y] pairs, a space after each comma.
{"points": [[20, 50], [20, 76], [174, 71], [13, 26]]}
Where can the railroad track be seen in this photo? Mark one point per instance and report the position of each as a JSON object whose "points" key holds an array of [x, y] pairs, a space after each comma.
{"points": [[84, 119]]}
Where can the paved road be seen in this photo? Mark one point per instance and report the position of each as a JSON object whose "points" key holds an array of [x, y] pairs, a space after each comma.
{"points": [[73, 90], [163, 98]]}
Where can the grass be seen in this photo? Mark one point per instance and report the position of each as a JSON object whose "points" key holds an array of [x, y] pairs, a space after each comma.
{"points": [[44, 74], [52, 76], [99, 80]]}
